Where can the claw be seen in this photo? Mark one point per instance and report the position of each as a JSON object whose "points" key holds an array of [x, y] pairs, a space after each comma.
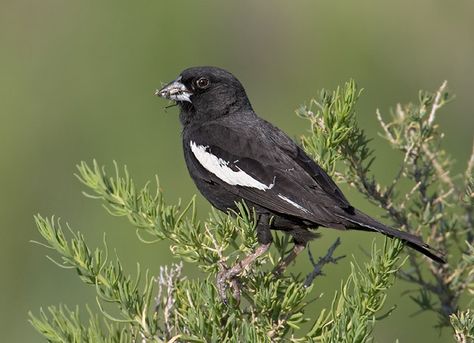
{"points": [[231, 274], [221, 283], [223, 277]]}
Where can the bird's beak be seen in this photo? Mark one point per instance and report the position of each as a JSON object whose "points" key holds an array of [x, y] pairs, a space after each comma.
{"points": [[175, 90]]}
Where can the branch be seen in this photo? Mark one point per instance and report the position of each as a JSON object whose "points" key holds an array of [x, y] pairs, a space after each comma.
{"points": [[318, 267], [437, 104], [168, 279]]}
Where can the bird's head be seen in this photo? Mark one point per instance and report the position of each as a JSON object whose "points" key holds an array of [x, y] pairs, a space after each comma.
{"points": [[206, 93]]}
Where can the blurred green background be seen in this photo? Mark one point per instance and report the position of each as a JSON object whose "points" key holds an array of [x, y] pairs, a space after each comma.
{"points": [[77, 81]]}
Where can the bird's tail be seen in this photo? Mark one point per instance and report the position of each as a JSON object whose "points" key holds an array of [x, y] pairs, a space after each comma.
{"points": [[362, 221]]}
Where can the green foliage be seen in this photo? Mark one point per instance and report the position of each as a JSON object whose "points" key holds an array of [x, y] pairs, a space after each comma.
{"points": [[434, 203], [191, 308], [63, 325], [93, 267], [334, 129], [170, 308], [352, 314], [463, 325]]}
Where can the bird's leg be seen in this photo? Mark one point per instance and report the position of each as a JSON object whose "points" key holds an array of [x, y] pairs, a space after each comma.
{"points": [[264, 237], [281, 266]]}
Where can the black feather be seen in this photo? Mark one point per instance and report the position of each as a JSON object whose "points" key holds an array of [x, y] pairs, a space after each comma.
{"points": [[362, 221], [297, 193]]}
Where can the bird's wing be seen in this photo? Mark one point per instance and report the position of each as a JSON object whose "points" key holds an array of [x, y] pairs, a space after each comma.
{"points": [[318, 174], [260, 164]]}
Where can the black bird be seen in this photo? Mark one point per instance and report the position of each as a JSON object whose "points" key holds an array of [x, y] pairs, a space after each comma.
{"points": [[233, 155]]}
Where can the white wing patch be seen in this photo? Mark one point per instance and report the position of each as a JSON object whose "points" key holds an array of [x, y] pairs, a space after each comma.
{"points": [[298, 206], [219, 168]]}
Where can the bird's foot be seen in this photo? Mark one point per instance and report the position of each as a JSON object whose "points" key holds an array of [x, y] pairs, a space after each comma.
{"points": [[231, 275], [223, 278]]}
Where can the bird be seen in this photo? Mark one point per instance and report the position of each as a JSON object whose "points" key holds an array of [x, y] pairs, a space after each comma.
{"points": [[235, 156]]}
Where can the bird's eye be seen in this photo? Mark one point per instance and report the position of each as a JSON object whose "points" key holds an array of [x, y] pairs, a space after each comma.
{"points": [[202, 83]]}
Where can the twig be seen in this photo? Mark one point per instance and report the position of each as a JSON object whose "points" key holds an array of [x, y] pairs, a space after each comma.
{"points": [[437, 103], [389, 191], [442, 174], [385, 127], [217, 248], [167, 279], [318, 267]]}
